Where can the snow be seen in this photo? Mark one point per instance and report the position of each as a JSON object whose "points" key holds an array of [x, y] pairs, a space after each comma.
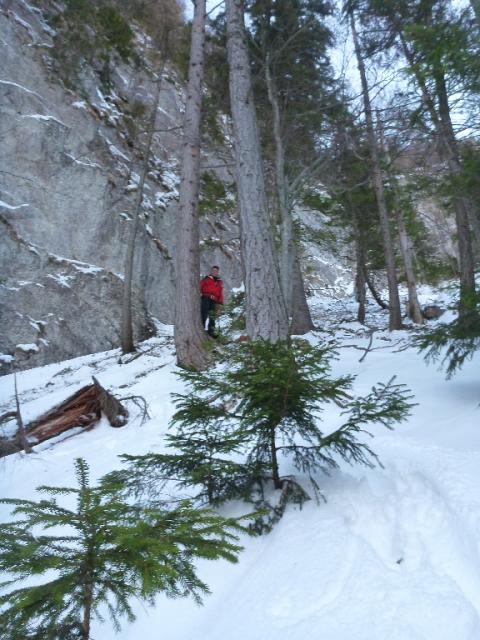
{"points": [[84, 163], [82, 267], [43, 118], [28, 348], [5, 205], [394, 552], [62, 279], [23, 23], [19, 86]]}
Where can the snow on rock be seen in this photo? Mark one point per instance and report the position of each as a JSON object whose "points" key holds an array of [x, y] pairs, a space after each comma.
{"points": [[40, 117], [27, 348], [62, 279], [10, 207], [83, 267]]}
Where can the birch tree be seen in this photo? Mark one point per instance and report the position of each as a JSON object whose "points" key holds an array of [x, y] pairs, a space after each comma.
{"points": [[266, 314], [189, 336]]}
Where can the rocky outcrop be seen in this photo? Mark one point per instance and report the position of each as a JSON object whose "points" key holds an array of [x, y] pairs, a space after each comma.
{"points": [[68, 176]]}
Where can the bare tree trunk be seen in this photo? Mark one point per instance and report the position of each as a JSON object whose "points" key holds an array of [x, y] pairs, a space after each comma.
{"points": [[373, 291], [360, 270], [127, 324], [360, 292], [265, 311], [287, 249], [462, 206], [395, 316], [448, 144], [189, 335], [301, 319], [414, 311], [22, 436]]}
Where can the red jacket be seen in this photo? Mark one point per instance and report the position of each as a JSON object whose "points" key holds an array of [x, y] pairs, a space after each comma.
{"points": [[212, 288]]}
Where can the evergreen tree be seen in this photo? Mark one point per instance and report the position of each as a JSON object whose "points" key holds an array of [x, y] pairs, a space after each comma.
{"points": [[105, 552], [295, 89], [452, 343], [435, 40], [204, 460], [270, 397]]}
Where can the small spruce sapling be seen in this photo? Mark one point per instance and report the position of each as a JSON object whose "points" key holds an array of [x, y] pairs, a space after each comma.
{"points": [[270, 398], [101, 554], [203, 460], [206, 454]]}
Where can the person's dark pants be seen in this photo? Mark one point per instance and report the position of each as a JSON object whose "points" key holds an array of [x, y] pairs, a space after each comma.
{"points": [[207, 307]]}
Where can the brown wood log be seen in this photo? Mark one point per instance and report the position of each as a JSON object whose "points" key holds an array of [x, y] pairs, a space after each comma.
{"points": [[116, 413], [83, 409]]}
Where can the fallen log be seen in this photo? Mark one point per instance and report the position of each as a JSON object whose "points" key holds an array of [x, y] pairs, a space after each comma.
{"points": [[83, 409]]}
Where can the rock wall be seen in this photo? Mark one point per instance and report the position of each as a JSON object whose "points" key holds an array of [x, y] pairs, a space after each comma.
{"points": [[68, 179]]}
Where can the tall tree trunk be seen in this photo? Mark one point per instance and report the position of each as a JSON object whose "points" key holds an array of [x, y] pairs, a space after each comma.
{"points": [[189, 335], [265, 311], [301, 319], [448, 145], [127, 324], [360, 292], [395, 316], [286, 223], [461, 204], [360, 267], [414, 311]]}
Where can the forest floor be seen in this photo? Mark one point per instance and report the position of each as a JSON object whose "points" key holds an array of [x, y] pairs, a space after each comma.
{"points": [[393, 553]]}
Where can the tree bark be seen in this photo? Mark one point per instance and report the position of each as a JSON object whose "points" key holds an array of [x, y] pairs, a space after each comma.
{"points": [[461, 205], [414, 310], [360, 282], [448, 145], [286, 223], [22, 436], [265, 310], [373, 291], [188, 332], [395, 315], [302, 321], [273, 453], [127, 342]]}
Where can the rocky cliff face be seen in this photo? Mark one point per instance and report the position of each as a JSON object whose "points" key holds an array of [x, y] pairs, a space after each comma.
{"points": [[68, 177], [69, 171]]}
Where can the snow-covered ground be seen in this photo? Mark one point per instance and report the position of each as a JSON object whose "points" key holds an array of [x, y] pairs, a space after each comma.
{"points": [[394, 553]]}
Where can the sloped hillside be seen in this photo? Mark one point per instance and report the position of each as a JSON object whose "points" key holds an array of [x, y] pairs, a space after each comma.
{"points": [[393, 553]]}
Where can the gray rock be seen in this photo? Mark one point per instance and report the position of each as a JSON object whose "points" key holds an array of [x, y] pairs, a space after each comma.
{"points": [[432, 312]]}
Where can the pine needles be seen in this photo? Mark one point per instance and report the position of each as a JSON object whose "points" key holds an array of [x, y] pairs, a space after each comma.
{"points": [[99, 555]]}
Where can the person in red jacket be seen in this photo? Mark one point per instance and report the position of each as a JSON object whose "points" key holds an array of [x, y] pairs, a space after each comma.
{"points": [[211, 288]]}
